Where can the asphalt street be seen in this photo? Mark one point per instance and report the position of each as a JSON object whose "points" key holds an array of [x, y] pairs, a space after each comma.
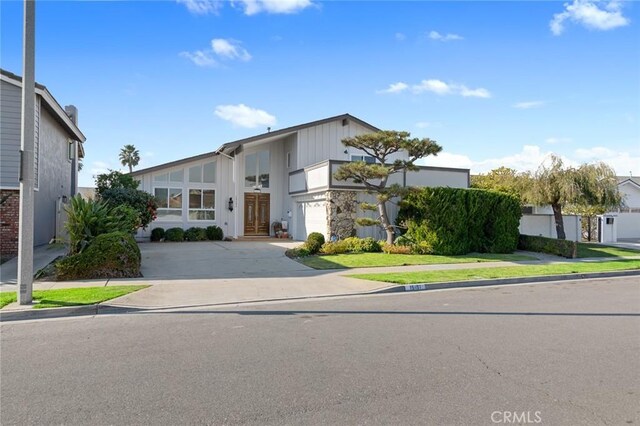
{"points": [[553, 353]]}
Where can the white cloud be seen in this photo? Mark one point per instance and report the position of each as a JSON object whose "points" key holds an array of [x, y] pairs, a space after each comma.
{"points": [[400, 37], [395, 88], [253, 7], [229, 49], [423, 124], [623, 162], [556, 140], [201, 58], [244, 116], [529, 104], [202, 7], [439, 87], [434, 35], [590, 15]]}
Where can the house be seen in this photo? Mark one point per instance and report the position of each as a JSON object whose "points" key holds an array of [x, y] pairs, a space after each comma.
{"points": [[283, 176], [58, 145], [624, 223]]}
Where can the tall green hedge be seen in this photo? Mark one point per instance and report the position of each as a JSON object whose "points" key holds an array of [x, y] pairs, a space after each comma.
{"points": [[452, 221]]}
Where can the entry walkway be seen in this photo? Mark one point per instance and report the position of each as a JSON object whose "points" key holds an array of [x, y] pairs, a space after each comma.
{"points": [[42, 256]]}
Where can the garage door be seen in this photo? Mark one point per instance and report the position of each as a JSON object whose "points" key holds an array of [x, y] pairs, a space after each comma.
{"points": [[312, 218]]}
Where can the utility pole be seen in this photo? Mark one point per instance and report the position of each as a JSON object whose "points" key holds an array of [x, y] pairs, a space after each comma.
{"points": [[27, 158]]}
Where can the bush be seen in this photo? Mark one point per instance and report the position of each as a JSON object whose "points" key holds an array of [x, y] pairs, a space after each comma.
{"points": [[111, 255], [297, 252], [174, 234], [394, 249], [335, 247], [423, 247], [314, 243], [143, 202], [114, 180], [538, 244], [195, 234], [157, 234], [214, 233], [128, 218]]}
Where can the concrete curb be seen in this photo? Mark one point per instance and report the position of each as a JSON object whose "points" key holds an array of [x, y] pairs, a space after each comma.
{"points": [[399, 288], [90, 310]]}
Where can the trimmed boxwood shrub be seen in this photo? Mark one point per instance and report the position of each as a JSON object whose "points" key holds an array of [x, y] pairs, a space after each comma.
{"points": [[174, 234], [195, 234], [214, 233], [157, 234], [451, 221], [539, 244], [314, 243], [111, 255]]}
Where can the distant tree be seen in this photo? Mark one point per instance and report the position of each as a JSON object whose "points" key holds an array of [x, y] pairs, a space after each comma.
{"points": [[129, 156], [590, 185], [114, 180], [374, 176], [503, 179]]}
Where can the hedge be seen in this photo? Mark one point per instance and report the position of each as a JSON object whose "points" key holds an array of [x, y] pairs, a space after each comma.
{"points": [[214, 233], [314, 243], [174, 234], [453, 221], [157, 234], [195, 234], [538, 244], [111, 255]]}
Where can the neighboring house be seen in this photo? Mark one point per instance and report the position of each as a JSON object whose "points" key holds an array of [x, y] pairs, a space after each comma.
{"points": [[58, 145], [87, 192], [280, 176], [628, 217]]}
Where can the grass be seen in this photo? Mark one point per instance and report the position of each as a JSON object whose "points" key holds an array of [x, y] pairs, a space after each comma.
{"points": [[501, 272], [72, 296], [369, 260], [596, 250]]}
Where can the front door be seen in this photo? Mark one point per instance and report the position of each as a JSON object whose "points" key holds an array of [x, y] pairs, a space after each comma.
{"points": [[256, 214]]}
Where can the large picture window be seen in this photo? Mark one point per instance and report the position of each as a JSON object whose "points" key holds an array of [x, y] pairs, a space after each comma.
{"points": [[203, 173], [169, 203], [202, 204], [256, 170]]}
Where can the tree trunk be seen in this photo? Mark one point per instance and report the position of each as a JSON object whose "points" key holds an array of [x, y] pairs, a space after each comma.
{"points": [[130, 168], [384, 219], [557, 214]]}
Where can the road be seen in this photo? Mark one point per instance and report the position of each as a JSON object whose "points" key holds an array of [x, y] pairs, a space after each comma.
{"points": [[560, 353]]}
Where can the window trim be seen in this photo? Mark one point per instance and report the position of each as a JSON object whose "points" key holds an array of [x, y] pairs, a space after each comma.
{"points": [[189, 209], [181, 209]]}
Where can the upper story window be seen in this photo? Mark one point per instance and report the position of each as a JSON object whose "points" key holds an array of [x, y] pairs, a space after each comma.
{"points": [[256, 170], [174, 176], [203, 173], [366, 158]]}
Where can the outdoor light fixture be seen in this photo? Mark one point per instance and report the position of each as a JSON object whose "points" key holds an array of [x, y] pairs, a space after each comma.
{"points": [[230, 204]]}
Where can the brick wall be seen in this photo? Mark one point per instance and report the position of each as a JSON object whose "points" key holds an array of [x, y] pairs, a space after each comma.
{"points": [[9, 211]]}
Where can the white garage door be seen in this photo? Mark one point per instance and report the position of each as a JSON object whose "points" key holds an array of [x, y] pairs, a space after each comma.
{"points": [[312, 218]]}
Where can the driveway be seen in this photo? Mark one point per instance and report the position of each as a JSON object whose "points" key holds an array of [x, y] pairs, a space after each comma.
{"points": [[218, 259]]}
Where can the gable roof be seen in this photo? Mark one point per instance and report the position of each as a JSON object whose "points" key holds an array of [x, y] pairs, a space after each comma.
{"points": [[634, 180], [231, 146], [50, 103]]}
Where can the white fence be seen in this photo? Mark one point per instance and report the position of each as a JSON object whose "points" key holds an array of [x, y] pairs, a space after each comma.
{"points": [[628, 225], [544, 225]]}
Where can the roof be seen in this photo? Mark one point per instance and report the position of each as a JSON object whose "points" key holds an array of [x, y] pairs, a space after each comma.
{"points": [[632, 179], [50, 102], [231, 146]]}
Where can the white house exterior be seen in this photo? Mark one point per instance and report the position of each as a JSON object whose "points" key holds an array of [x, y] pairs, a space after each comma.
{"points": [[623, 224], [279, 176]]}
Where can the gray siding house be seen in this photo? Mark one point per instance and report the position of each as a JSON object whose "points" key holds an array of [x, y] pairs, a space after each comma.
{"points": [[58, 146], [283, 176]]}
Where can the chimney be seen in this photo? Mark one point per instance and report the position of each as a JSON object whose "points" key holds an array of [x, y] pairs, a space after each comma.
{"points": [[72, 112]]}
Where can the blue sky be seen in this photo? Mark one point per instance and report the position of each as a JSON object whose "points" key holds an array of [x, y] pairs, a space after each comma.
{"points": [[495, 83]]}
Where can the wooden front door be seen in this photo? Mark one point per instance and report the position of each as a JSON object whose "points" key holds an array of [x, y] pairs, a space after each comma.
{"points": [[256, 214]]}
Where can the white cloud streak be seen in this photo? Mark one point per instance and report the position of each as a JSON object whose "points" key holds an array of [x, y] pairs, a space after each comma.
{"points": [[434, 35], [221, 50], [253, 7], [202, 7], [242, 115], [441, 88], [590, 15], [395, 88], [529, 104]]}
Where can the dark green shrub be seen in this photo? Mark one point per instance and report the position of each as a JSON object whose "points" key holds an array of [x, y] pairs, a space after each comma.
{"points": [[111, 255], [362, 245], [423, 247], [143, 202], [195, 234], [114, 180], [538, 244], [127, 217], [314, 243], [157, 234], [174, 234], [335, 247], [214, 233], [297, 252]]}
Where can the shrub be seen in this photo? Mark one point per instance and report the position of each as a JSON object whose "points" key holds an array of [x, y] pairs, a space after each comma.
{"points": [[114, 180], [422, 247], [214, 233], [297, 252], [394, 249], [157, 234], [143, 202], [362, 245], [314, 243], [174, 234], [195, 234], [335, 247], [127, 217], [111, 255], [538, 244]]}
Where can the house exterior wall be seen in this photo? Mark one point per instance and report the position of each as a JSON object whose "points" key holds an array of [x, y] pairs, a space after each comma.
{"points": [[544, 225], [630, 194]]}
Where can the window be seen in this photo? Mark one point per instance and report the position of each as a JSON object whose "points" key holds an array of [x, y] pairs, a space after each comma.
{"points": [[288, 160], [202, 204], [72, 150], [256, 170], [203, 173], [176, 176], [366, 158], [169, 203]]}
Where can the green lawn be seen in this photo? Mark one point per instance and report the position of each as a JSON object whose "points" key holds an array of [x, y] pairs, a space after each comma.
{"points": [[596, 250], [500, 272], [72, 296], [369, 260]]}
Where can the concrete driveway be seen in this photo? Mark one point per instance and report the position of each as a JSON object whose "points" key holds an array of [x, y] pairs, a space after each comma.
{"points": [[218, 259]]}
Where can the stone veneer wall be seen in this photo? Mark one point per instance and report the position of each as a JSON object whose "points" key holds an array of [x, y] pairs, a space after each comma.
{"points": [[9, 214], [341, 213]]}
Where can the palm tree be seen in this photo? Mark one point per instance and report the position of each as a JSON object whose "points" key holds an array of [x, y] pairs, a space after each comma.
{"points": [[129, 156]]}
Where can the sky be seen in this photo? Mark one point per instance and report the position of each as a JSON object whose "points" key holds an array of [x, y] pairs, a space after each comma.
{"points": [[494, 83]]}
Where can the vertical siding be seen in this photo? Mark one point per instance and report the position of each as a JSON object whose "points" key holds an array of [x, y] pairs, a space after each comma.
{"points": [[10, 103]]}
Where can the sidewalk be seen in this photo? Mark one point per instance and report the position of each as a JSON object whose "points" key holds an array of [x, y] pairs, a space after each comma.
{"points": [[42, 256]]}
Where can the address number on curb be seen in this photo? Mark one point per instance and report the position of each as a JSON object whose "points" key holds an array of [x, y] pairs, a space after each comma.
{"points": [[415, 287]]}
